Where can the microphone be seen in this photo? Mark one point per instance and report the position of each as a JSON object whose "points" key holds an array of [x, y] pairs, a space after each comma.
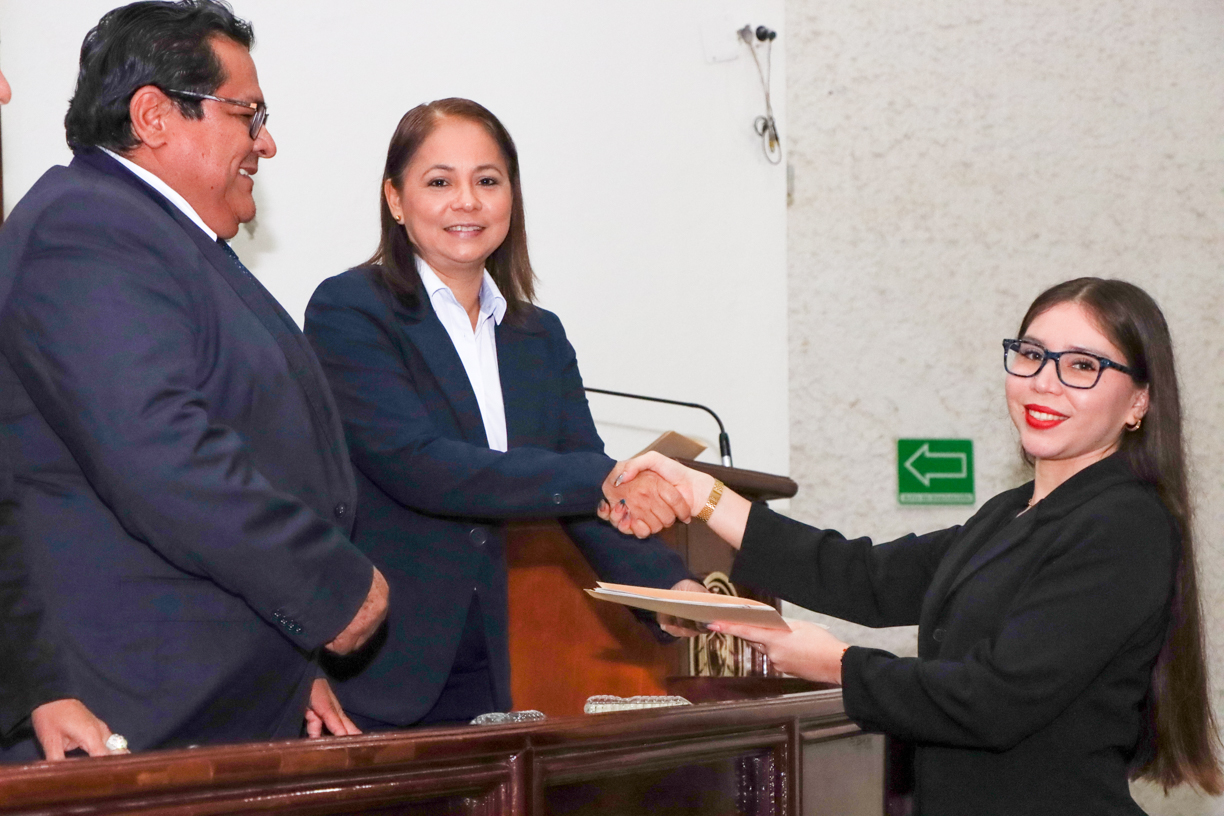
{"points": [[724, 441]]}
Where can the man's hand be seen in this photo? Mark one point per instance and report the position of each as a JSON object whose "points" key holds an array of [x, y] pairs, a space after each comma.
{"points": [[324, 711], [65, 725], [366, 622], [646, 504], [680, 627]]}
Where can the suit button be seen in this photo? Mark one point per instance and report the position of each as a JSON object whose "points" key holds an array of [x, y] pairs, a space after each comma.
{"points": [[937, 636], [341, 510], [478, 536], [558, 498]]}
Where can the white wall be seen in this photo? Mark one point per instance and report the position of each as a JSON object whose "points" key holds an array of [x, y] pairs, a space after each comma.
{"points": [[953, 158], [657, 227]]}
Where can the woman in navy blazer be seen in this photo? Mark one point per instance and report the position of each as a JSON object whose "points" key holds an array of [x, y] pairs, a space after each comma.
{"points": [[1059, 640], [416, 345]]}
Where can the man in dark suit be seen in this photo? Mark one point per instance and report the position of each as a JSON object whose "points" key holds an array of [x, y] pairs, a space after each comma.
{"points": [[33, 684], [185, 489]]}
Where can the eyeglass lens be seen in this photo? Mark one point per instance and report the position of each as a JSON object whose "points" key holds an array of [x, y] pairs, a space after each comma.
{"points": [[1074, 369], [258, 121]]}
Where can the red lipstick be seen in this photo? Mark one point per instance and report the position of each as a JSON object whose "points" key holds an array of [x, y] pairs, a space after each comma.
{"points": [[1049, 417]]}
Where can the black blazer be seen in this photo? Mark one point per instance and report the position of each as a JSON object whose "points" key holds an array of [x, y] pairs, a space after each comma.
{"points": [[434, 497], [180, 464], [1036, 638]]}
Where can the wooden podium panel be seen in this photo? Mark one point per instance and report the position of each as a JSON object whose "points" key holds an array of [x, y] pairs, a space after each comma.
{"points": [[564, 644]]}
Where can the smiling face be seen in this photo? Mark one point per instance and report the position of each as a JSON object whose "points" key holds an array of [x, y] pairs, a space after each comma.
{"points": [[214, 157], [1066, 429], [455, 198]]}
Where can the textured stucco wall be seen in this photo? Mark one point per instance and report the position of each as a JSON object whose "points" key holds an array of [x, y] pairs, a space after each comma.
{"points": [[952, 158]]}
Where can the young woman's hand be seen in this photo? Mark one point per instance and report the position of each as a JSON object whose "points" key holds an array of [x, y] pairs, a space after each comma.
{"points": [[808, 650]]}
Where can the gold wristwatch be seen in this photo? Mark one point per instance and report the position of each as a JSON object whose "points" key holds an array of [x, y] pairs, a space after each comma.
{"points": [[712, 502]]}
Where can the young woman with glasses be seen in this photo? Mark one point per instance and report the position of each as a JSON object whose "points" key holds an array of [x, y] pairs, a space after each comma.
{"points": [[1060, 648]]}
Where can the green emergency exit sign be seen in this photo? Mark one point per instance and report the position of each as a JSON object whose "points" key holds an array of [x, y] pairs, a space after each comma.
{"points": [[935, 471]]}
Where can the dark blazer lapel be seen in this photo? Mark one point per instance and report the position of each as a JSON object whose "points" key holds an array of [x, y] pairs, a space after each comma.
{"points": [[1062, 500], [1009, 532], [302, 363], [427, 334], [976, 547], [518, 370], [1004, 535]]}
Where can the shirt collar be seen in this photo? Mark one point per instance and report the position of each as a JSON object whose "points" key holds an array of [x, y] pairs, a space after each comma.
{"points": [[492, 302], [165, 189]]}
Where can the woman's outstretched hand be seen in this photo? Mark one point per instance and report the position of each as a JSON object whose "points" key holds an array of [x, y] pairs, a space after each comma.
{"points": [[808, 650]]}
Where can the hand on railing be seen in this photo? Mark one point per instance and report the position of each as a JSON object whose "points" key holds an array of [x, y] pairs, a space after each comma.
{"points": [[65, 725], [324, 713]]}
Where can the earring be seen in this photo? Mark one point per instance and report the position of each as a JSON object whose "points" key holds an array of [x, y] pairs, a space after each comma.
{"points": [[399, 219], [1135, 426]]}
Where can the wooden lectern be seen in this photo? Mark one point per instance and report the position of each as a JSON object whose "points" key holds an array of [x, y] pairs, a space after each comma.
{"points": [[566, 646]]}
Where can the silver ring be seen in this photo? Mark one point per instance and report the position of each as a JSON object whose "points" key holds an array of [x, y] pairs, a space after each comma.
{"points": [[116, 743]]}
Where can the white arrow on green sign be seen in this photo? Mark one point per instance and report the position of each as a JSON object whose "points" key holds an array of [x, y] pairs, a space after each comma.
{"points": [[935, 471]]}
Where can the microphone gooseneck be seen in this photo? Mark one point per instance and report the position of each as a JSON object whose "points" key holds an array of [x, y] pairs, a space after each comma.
{"points": [[724, 441]]}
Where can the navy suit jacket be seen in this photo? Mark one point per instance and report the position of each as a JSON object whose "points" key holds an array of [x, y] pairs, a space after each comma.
{"points": [[434, 497], [1037, 635], [32, 673], [185, 490]]}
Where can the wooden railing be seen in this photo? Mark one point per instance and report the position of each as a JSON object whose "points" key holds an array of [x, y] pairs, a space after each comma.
{"points": [[780, 755]]}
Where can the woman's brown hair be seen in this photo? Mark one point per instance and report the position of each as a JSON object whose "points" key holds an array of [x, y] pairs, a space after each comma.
{"points": [[1180, 742], [395, 259]]}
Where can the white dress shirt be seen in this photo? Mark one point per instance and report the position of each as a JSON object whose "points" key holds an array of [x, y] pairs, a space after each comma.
{"points": [[163, 188], [477, 347]]}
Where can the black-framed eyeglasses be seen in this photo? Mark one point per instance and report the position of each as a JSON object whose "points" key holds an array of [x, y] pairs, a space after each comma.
{"points": [[1075, 369], [258, 120]]}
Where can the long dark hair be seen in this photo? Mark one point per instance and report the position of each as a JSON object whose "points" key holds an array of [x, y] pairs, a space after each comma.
{"points": [[1180, 741], [509, 265], [168, 45]]}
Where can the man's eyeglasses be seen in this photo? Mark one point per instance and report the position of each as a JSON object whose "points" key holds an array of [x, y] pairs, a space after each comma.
{"points": [[1075, 369], [257, 120]]}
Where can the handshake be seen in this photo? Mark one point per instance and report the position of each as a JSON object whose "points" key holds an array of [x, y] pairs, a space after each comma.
{"points": [[649, 492], [645, 494]]}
